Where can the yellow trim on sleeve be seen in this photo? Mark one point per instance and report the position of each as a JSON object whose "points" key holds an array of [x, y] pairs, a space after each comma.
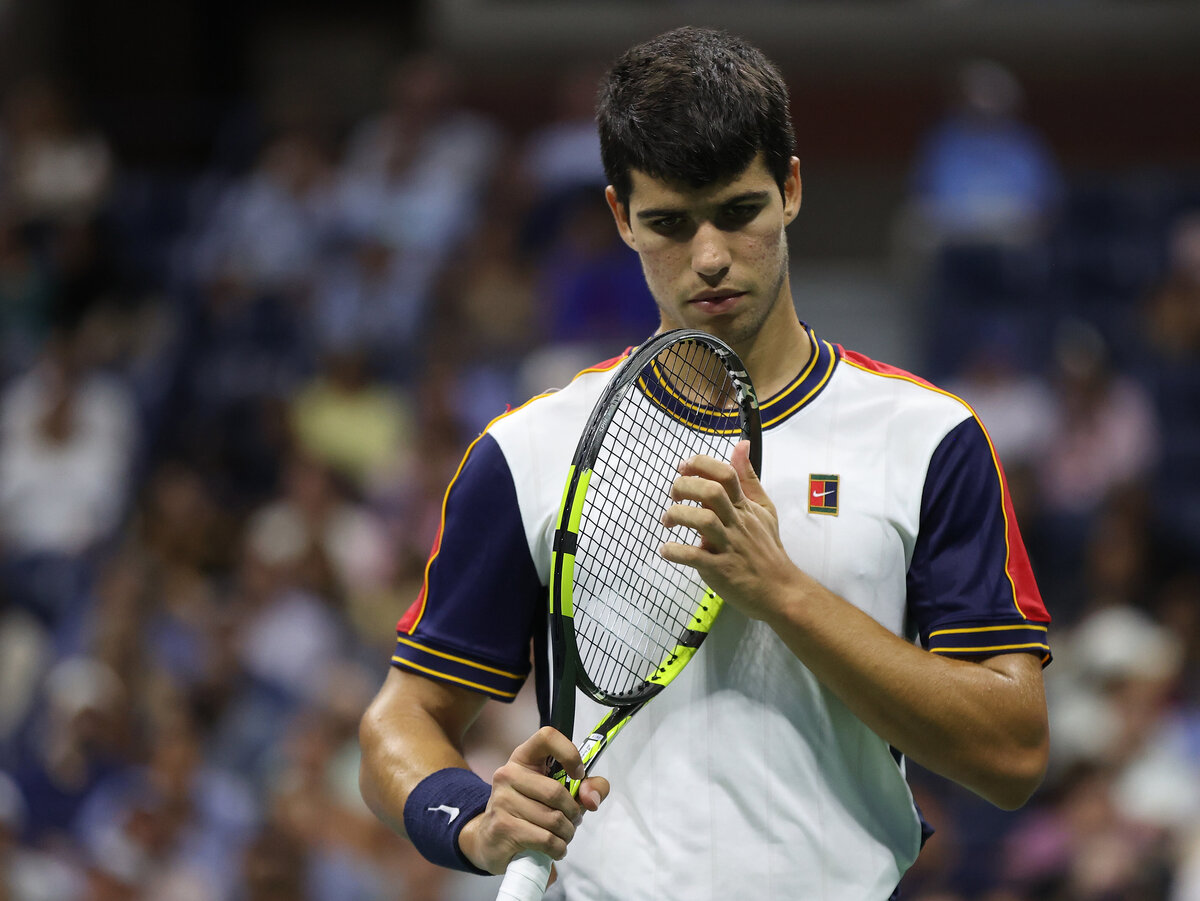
{"points": [[998, 647], [466, 682], [987, 629], [462, 660]]}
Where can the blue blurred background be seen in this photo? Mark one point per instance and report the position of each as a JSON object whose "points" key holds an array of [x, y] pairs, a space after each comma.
{"points": [[266, 269]]}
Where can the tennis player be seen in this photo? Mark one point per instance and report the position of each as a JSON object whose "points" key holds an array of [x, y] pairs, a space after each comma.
{"points": [[879, 600]]}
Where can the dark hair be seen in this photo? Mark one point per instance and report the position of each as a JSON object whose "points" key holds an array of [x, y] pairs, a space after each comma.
{"points": [[693, 106]]}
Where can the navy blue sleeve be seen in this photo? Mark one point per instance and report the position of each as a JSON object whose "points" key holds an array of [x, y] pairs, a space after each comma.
{"points": [[472, 623], [971, 590]]}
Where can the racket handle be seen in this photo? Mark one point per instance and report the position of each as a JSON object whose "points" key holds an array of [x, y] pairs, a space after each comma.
{"points": [[526, 877]]}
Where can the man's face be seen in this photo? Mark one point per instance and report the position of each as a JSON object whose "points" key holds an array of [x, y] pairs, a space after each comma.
{"points": [[715, 258]]}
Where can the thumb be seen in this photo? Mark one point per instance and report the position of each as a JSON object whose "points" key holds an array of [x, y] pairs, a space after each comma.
{"points": [[748, 478]]}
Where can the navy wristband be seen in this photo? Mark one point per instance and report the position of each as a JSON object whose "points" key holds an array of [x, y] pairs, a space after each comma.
{"points": [[436, 811]]}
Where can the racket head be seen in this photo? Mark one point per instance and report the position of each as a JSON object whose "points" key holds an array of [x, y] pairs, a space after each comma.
{"points": [[624, 622]]}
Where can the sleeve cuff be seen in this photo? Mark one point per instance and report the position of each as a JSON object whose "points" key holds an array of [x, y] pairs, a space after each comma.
{"points": [[446, 666], [974, 641]]}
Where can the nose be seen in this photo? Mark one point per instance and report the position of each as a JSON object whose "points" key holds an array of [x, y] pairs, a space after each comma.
{"points": [[710, 253]]}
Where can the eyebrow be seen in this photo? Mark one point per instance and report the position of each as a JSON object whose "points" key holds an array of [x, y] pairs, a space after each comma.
{"points": [[746, 197]]}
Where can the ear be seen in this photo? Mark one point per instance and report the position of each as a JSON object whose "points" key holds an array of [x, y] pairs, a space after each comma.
{"points": [[620, 216], [792, 191]]}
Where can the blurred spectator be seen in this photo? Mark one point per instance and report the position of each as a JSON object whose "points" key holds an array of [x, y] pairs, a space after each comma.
{"points": [[1173, 311], [368, 295], [487, 304], [983, 174], [592, 288], [1103, 444], [1084, 847], [181, 525], [488, 319], [414, 174], [67, 445], [1015, 405], [272, 867], [1125, 770], [1105, 433], [302, 553], [68, 439], [360, 427], [75, 741], [563, 153], [314, 794], [985, 192], [330, 544], [1118, 561], [266, 230], [173, 828], [58, 170], [560, 160]]}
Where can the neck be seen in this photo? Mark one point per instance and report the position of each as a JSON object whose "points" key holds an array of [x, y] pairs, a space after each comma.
{"points": [[778, 350]]}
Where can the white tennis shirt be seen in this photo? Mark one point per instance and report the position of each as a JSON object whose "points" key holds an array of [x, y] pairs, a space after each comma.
{"points": [[746, 778]]}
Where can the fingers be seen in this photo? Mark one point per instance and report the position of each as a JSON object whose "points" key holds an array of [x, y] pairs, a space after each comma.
{"points": [[710, 526], [548, 742], [721, 487], [710, 469], [593, 791], [747, 477], [529, 809], [708, 493], [545, 827]]}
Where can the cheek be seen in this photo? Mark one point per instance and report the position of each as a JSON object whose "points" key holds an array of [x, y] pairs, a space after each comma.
{"points": [[764, 252], [660, 269]]}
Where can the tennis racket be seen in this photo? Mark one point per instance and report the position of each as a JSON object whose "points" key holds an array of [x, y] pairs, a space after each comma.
{"points": [[623, 621]]}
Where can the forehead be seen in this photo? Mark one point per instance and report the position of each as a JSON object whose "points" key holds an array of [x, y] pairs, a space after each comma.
{"points": [[648, 191]]}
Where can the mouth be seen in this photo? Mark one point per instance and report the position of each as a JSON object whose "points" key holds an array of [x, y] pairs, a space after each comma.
{"points": [[714, 302]]}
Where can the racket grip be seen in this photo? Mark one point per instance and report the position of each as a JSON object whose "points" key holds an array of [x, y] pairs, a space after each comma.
{"points": [[526, 877]]}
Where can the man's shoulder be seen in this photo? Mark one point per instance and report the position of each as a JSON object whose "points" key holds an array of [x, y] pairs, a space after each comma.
{"points": [[558, 409], [907, 392]]}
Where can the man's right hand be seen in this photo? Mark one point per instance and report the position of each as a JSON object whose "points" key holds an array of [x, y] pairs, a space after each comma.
{"points": [[528, 809]]}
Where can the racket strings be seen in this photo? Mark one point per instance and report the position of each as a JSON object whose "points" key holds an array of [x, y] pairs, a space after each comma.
{"points": [[631, 606]]}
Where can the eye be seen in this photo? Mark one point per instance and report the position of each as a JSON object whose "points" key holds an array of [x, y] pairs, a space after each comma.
{"points": [[666, 225], [739, 214]]}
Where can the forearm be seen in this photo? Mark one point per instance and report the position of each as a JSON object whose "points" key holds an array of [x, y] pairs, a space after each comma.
{"points": [[412, 729], [981, 724]]}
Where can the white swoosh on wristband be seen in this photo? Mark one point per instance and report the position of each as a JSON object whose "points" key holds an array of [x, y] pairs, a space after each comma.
{"points": [[445, 808]]}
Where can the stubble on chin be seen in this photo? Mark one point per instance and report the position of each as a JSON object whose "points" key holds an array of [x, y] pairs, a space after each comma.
{"points": [[744, 330]]}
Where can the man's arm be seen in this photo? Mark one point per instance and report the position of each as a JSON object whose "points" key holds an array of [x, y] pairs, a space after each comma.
{"points": [[982, 724], [416, 726]]}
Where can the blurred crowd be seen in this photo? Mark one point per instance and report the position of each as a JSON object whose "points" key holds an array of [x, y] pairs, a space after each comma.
{"points": [[231, 400]]}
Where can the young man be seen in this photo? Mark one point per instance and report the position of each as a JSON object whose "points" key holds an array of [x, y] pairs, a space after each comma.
{"points": [[882, 520]]}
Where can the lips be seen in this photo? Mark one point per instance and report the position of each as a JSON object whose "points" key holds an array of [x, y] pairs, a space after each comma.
{"points": [[716, 302]]}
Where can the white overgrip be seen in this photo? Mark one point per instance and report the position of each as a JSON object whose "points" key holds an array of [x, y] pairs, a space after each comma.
{"points": [[526, 877]]}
